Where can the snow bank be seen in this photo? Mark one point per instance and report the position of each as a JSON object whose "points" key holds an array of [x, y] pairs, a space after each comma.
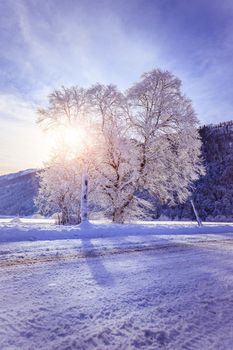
{"points": [[15, 221], [12, 233]]}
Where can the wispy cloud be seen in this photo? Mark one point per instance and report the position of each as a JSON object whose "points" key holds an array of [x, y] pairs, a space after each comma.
{"points": [[75, 48], [15, 109]]}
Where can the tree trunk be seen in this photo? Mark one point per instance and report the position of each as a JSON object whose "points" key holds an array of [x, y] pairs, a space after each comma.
{"points": [[196, 214], [64, 216], [117, 217], [84, 199]]}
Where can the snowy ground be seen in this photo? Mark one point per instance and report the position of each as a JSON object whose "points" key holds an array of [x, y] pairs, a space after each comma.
{"points": [[136, 287]]}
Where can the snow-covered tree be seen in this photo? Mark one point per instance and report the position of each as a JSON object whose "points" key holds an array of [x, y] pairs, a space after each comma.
{"points": [[68, 108], [60, 189], [164, 125], [117, 172], [144, 140]]}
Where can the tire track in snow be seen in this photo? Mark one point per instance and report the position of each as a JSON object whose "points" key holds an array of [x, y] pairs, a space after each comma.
{"points": [[93, 253]]}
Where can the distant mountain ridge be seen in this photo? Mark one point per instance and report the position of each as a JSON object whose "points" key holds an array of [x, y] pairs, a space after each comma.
{"points": [[11, 176], [213, 194], [17, 191]]}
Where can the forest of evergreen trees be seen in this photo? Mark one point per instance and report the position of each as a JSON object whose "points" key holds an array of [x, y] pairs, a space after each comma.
{"points": [[213, 193]]}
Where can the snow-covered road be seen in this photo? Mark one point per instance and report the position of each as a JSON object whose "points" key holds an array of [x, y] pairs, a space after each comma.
{"points": [[137, 292]]}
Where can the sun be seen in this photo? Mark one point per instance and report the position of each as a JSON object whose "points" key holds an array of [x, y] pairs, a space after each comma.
{"points": [[73, 138], [67, 138]]}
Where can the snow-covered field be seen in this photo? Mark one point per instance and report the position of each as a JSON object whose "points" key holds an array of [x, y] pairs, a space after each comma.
{"points": [[151, 286]]}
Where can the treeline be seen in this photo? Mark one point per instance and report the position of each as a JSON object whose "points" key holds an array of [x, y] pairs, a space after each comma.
{"points": [[213, 193]]}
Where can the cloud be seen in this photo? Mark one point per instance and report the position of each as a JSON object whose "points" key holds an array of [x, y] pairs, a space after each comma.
{"points": [[67, 47], [15, 109]]}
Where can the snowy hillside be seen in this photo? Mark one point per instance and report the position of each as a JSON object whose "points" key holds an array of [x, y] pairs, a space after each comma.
{"points": [[13, 176], [17, 191]]}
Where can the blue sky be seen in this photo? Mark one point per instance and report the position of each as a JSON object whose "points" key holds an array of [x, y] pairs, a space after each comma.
{"points": [[46, 44]]}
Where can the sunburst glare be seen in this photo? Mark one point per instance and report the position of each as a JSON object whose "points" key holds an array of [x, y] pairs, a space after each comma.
{"points": [[67, 138]]}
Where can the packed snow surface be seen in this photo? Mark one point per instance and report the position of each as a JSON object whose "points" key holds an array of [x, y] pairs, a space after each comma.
{"points": [[116, 287]]}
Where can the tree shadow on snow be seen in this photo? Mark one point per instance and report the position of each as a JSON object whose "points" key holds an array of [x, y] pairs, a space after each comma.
{"points": [[96, 265]]}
